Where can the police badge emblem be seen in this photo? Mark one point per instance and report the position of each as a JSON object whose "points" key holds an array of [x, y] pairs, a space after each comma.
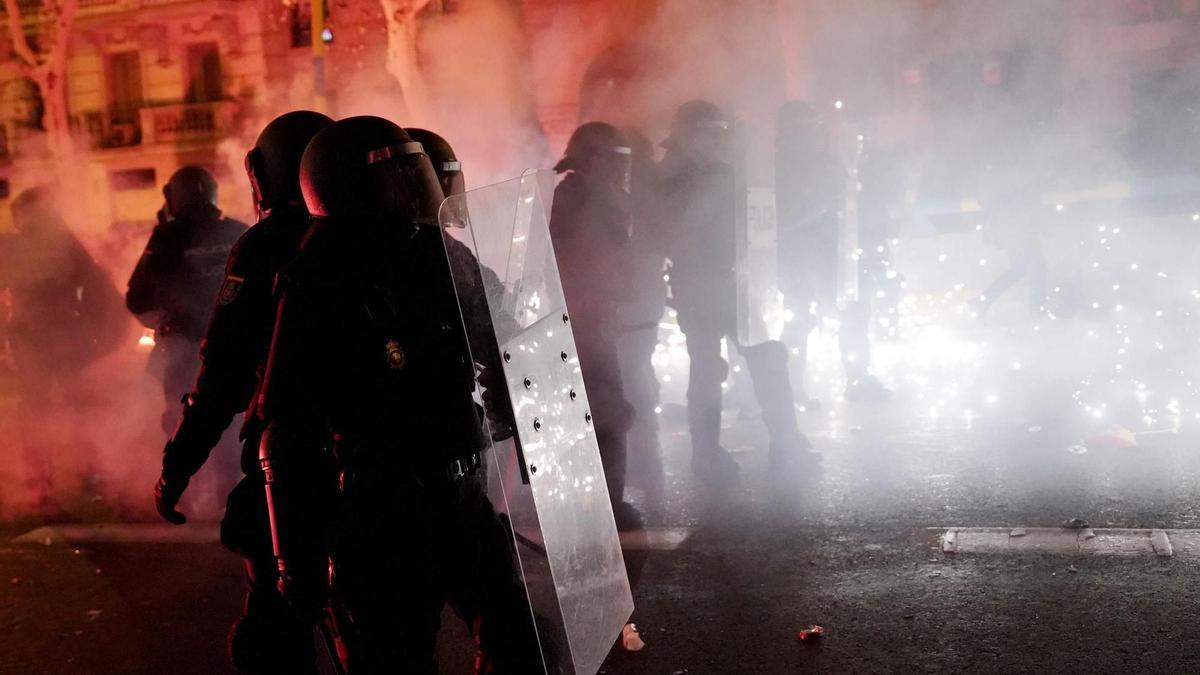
{"points": [[230, 288], [395, 355]]}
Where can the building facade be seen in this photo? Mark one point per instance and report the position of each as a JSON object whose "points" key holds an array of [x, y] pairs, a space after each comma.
{"points": [[153, 85]]}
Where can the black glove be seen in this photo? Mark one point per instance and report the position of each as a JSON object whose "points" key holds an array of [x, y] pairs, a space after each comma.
{"points": [[166, 498], [497, 405]]}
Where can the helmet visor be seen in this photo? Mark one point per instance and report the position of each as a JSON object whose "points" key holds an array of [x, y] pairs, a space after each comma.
{"points": [[408, 185]]}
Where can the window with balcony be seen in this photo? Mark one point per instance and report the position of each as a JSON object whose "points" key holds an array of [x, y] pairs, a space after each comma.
{"points": [[124, 86], [204, 81]]}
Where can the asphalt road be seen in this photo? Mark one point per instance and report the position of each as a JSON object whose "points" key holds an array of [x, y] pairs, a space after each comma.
{"points": [[852, 553]]}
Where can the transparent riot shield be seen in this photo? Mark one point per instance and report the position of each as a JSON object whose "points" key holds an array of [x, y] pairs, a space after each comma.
{"points": [[545, 474], [760, 310]]}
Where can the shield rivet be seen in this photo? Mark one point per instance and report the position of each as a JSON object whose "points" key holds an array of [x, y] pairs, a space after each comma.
{"points": [[587, 417], [537, 424], [507, 357], [528, 383], [573, 395], [532, 468], [566, 319], [563, 356]]}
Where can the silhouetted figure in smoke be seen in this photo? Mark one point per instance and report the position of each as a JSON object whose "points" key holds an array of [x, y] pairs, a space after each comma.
{"points": [[267, 638], [175, 283], [66, 314], [365, 348], [882, 177], [640, 317], [810, 185], [590, 227], [699, 197]]}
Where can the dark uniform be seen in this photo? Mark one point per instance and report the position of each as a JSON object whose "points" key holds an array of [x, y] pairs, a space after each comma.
{"points": [[640, 318], [176, 279], [66, 314], [699, 196], [369, 348], [233, 358], [590, 227], [809, 196], [882, 179]]}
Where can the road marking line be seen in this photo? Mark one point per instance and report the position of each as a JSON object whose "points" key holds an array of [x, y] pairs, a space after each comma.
{"points": [[1057, 540], [122, 533]]}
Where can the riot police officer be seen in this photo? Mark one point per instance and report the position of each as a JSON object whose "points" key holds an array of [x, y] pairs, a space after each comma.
{"points": [[640, 318], [590, 225], [369, 347], [233, 357], [173, 285], [66, 314], [810, 195], [699, 197]]}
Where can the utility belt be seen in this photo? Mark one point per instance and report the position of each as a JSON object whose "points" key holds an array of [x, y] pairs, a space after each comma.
{"points": [[391, 462]]}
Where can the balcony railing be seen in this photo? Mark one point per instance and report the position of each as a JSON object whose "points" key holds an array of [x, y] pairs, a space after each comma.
{"points": [[111, 128], [158, 123], [186, 122]]}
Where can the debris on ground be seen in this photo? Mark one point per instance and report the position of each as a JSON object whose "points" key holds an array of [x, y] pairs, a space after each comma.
{"points": [[1076, 524], [1077, 449], [1017, 532], [811, 634], [631, 640], [1072, 569]]}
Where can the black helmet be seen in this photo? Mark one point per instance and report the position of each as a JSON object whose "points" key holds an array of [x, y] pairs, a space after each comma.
{"points": [[273, 164], [34, 211], [367, 167], [445, 162], [796, 112], [189, 187], [601, 150], [697, 121], [594, 142]]}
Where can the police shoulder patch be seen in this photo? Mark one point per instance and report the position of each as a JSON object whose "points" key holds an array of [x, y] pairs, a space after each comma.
{"points": [[230, 288]]}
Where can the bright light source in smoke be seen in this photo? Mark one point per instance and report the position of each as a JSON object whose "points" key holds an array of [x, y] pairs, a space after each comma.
{"points": [[1016, 365], [838, 105], [942, 258], [658, 410], [1059, 207], [992, 398], [982, 262]]}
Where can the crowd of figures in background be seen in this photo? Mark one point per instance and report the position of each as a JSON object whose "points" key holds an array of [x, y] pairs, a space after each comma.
{"points": [[339, 330]]}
